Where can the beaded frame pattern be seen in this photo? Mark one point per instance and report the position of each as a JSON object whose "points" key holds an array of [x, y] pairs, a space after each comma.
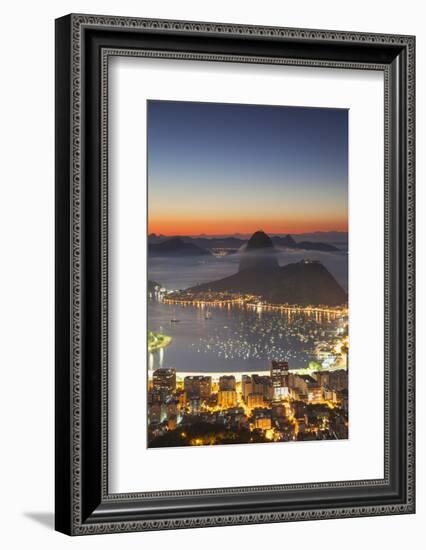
{"points": [[78, 22]]}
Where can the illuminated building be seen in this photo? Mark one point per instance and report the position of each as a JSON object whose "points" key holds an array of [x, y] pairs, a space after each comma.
{"points": [[338, 380], [263, 423], [281, 392], [263, 385], [181, 397], [246, 386], [256, 384], [164, 380], [279, 372], [329, 394], [290, 379], [302, 382], [227, 398], [236, 418], [299, 409], [315, 394], [154, 396], [154, 413], [278, 410], [195, 405], [322, 377], [262, 419], [172, 423], [172, 407], [294, 393], [300, 385], [198, 386], [255, 400], [227, 383]]}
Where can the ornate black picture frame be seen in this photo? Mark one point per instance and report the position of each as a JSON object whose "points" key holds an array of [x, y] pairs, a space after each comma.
{"points": [[83, 45]]}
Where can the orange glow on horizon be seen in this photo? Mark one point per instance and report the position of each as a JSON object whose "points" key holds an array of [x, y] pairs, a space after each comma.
{"points": [[221, 227]]}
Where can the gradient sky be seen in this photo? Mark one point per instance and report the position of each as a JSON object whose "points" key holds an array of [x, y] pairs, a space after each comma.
{"points": [[219, 168]]}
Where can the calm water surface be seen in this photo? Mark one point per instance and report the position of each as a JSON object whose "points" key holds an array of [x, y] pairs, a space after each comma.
{"points": [[232, 339]]}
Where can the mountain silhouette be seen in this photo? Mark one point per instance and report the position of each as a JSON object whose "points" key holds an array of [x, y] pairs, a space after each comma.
{"points": [[259, 253], [287, 241], [176, 247], [259, 240], [237, 241], [302, 283]]}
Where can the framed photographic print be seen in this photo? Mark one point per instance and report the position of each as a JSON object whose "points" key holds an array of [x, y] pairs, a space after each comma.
{"points": [[234, 274]]}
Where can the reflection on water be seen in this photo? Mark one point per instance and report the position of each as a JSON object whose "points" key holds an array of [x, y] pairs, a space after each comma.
{"points": [[232, 338]]}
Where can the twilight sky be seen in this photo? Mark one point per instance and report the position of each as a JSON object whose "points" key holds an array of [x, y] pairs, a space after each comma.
{"points": [[227, 168]]}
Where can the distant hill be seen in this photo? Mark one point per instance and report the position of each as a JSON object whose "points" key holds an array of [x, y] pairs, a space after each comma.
{"points": [[301, 283], [176, 246], [322, 247], [237, 242], [286, 241], [289, 242], [330, 237]]}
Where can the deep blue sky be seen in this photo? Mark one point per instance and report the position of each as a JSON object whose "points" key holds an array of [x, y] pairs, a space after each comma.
{"points": [[219, 168]]}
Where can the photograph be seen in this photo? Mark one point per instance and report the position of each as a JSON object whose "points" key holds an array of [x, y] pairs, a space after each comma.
{"points": [[247, 274], [234, 273], [210, 296]]}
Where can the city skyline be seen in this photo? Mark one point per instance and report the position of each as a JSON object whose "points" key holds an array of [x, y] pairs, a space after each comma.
{"points": [[231, 168]]}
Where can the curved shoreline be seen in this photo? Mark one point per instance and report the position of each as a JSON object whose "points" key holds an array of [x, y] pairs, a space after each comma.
{"points": [[249, 303]]}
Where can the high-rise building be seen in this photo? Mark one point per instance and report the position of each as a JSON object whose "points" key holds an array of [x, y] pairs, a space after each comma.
{"points": [[164, 380], [195, 405], [338, 380], [154, 413], [322, 377], [278, 410], [181, 397], [262, 419], [263, 385], [302, 382], [298, 409], [227, 399], [227, 383], [255, 400], [246, 386], [198, 386], [172, 407], [329, 394], [315, 393], [279, 373], [154, 396]]}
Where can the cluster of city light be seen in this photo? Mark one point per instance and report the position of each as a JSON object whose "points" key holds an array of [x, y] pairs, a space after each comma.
{"points": [[308, 310], [219, 299], [331, 354], [199, 302], [270, 433]]}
